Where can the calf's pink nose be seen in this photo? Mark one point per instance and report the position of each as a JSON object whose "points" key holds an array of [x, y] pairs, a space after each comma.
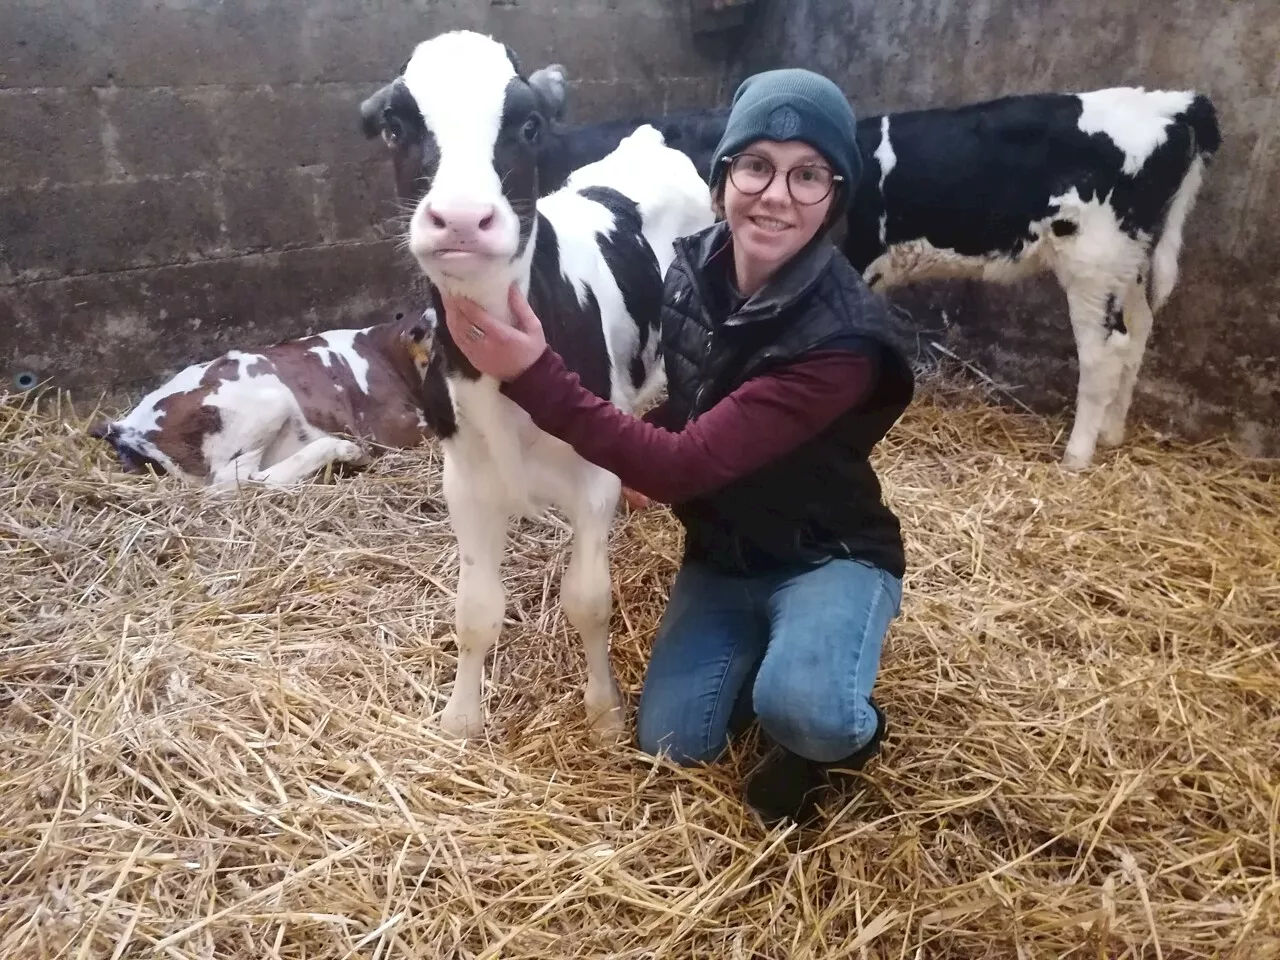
{"points": [[462, 218]]}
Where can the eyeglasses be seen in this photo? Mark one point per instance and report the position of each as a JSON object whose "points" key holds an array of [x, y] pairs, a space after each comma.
{"points": [[808, 183]]}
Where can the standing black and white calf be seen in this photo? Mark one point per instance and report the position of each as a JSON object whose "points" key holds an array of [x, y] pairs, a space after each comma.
{"points": [[464, 127], [1095, 187]]}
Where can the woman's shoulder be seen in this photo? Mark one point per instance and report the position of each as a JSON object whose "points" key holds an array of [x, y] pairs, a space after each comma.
{"points": [[679, 287], [841, 292], [855, 311], [842, 274]]}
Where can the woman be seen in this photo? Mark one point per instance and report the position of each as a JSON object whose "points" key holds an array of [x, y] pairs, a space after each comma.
{"points": [[782, 376]]}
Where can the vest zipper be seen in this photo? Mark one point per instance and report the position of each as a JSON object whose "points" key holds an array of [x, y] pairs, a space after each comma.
{"points": [[702, 371]]}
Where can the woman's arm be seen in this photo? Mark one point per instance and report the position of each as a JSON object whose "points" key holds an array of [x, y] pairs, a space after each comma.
{"points": [[763, 419], [657, 416]]}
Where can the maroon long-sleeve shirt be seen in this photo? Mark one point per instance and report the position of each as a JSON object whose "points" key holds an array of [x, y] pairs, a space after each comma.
{"points": [[761, 420]]}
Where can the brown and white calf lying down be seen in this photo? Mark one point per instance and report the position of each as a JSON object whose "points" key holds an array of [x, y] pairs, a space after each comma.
{"points": [[281, 414]]}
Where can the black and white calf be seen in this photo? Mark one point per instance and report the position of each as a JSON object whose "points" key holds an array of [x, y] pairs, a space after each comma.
{"points": [[695, 133], [464, 127], [1095, 187]]}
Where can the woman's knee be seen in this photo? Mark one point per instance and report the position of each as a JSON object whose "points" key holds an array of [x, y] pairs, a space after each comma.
{"points": [[828, 626], [664, 726], [709, 641], [818, 724]]}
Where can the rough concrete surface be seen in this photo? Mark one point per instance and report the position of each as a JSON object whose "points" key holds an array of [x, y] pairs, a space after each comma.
{"points": [[183, 176], [1213, 363]]}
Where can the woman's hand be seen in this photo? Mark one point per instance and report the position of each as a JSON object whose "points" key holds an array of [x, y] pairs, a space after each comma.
{"points": [[494, 348], [635, 501]]}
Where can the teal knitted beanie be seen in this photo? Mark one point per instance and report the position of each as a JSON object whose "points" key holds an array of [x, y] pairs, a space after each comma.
{"points": [[793, 104]]}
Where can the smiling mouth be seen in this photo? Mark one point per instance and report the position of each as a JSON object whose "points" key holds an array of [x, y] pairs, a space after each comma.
{"points": [[770, 225]]}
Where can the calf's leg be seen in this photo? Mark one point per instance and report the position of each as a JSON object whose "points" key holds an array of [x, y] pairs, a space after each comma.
{"points": [[237, 470], [586, 593], [311, 459], [479, 523], [254, 432], [1101, 348], [1138, 318]]}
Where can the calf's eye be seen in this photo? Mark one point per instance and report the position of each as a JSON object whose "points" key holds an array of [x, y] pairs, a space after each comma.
{"points": [[532, 130], [392, 129]]}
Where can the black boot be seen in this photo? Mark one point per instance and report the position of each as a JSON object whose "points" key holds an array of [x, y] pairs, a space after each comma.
{"points": [[860, 757], [787, 785]]}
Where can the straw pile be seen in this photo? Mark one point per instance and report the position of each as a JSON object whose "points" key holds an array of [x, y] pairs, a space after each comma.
{"points": [[217, 737]]}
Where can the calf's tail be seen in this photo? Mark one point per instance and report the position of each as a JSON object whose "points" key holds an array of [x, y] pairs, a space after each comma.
{"points": [[1202, 119]]}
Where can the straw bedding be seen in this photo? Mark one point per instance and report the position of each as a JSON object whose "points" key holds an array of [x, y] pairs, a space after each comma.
{"points": [[217, 737]]}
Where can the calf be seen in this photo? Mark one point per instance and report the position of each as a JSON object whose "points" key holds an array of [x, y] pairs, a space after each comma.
{"points": [[1095, 187], [695, 133], [465, 127], [278, 415]]}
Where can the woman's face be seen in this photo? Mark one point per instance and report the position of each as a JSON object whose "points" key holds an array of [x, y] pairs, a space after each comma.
{"points": [[770, 227]]}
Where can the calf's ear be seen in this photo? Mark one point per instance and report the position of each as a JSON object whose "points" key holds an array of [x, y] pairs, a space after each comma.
{"points": [[100, 430], [551, 84], [417, 340], [371, 111], [515, 61]]}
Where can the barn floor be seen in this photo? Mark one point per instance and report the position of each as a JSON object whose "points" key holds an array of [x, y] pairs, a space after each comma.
{"points": [[216, 728]]}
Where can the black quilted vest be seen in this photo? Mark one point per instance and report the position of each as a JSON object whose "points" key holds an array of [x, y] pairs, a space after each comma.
{"points": [[823, 500]]}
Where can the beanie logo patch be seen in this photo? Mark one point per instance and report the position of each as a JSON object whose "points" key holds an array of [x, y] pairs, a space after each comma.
{"points": [[783, 122]]}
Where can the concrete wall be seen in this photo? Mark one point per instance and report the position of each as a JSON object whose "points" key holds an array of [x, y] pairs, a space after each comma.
{"points": [[181, 176], [1213, 364]]}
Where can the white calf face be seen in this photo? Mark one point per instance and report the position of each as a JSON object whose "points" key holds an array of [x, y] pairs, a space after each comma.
{"points": [[465, 127]]}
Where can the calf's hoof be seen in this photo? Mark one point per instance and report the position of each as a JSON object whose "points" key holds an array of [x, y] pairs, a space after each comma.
{"points": [[1111, 435], [462, 722], [606, 713], [268, 479], [1075, 462], [609, 725], [353, 454]]}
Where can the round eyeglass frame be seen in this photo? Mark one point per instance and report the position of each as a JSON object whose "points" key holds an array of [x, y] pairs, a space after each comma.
{"points": [[730, 159]]}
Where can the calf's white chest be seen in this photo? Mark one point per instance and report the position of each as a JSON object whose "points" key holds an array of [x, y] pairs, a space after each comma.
{"points": [[512, 462]]}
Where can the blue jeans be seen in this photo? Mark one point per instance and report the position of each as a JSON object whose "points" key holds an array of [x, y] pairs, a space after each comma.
{"points": [[800, 650]]}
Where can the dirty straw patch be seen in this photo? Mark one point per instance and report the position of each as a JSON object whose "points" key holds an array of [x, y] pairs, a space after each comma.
{"points": [[217, 737]]}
